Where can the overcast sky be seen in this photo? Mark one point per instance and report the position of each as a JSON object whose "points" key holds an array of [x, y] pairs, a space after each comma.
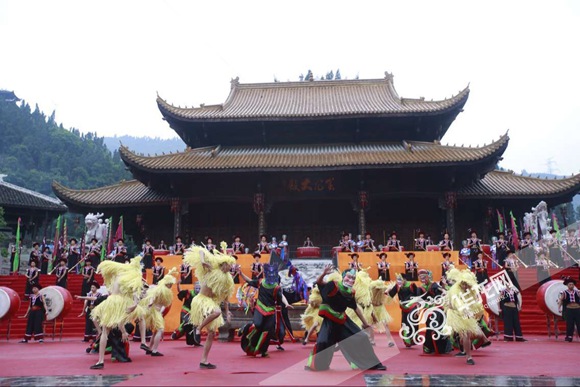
{"points": [[99, 64]]}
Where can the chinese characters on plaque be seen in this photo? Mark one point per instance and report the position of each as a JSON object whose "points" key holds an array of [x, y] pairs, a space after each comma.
{"points": [[310, 185]]}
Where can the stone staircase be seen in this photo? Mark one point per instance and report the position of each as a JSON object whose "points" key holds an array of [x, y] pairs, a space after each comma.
{"points": [[73, 325], [532, 318]]}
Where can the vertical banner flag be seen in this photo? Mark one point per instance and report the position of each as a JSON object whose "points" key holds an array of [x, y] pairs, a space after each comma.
{"points": [[16, 264], [516, 239], [56, 243], [556, 225], [500, 221], [110, 242]]}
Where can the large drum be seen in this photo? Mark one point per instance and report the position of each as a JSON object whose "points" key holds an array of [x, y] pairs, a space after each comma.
{"points": [[160, 252], [9, 303], [307, 252], [547, 297], [491, 307], [58, 301], [433, 248], [491, 303]]}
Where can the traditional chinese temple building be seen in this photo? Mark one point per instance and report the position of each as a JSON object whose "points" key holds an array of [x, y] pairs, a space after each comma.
{"points": [[35, 210], [317, 158]]}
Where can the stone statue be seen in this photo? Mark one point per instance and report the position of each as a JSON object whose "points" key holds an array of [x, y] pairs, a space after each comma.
{"points": [[96, 228], [542, 220]]}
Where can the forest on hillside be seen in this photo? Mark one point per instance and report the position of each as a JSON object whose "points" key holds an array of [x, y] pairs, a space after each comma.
{"points": [[35, 150], [145, 145]]}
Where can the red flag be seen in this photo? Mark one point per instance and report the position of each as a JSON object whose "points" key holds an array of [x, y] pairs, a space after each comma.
{"points": [[119, 233]]}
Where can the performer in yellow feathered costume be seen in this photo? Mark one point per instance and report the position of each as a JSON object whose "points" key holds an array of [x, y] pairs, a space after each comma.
{"points": [[463, 309], [212, 269], [124, 283], [380, 317], [155, 301], [310, 320], [363, 299]]}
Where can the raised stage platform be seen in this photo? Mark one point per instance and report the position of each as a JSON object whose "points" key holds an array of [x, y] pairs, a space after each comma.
{"points": [[538, 362]]}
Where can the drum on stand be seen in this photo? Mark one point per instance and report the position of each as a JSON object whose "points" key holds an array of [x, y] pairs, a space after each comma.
{"points": [[433, 248], [547, 297], [491, 306], [9, 303], [308, 252], [58, 302], [157, 252]]}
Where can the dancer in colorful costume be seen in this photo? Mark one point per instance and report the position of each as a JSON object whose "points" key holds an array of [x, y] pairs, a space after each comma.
{"points": [[311, 320], [212, 269], [406, 291], [125, 283], [362, 295], [337, 328], [464, 309], [267, 323], [432, 294], [158, 298], [380, 317]]}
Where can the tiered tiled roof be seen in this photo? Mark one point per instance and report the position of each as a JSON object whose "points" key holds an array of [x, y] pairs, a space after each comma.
{"points": [[495, 185], [14, 196], [506, 184], [312, 100], [313, 157], [125, 193]]}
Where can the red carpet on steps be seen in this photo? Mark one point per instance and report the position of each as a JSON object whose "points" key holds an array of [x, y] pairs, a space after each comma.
{"points": [[180, 365], [74, 326]]}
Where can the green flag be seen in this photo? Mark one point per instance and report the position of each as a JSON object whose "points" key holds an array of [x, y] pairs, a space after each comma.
{"points": [[556, 226], [16, 264]]}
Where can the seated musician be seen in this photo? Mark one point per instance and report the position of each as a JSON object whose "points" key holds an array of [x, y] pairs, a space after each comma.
{"points": [[179, 247], [162, 245], [345, 244], [421, 242], [368, 243], [383, 267], [480, 267], [120, 251], [94, 252], [238, 246], [474, 246], [257, 267], [284, 243], [446, 244], [308, 242], [355, 264], [209, 244], [527, 253], [446, 265], [411, 268], [393, 244], [263, 246]]}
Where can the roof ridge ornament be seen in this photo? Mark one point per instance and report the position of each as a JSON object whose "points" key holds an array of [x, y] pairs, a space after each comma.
{"points": [[389, 76], [235, 82], [215, 151], [408, 146]]}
